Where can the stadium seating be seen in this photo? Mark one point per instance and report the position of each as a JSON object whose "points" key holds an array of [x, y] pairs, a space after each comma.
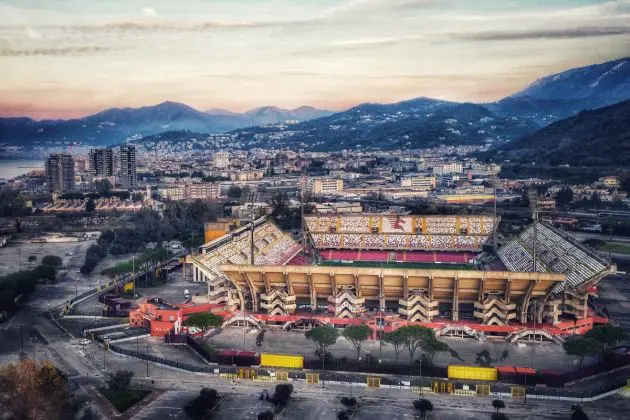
{"points": [[553, 254], [271, 246], [435, 233]]}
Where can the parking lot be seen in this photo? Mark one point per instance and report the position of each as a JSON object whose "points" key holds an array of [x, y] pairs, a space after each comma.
{"points": [[538, 355]]}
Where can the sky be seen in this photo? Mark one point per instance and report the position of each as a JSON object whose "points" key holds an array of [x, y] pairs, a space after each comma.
{"points": [[70, 58]]}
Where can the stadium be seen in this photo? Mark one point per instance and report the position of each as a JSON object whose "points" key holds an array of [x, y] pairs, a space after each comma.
{"points": [[392, 270]]}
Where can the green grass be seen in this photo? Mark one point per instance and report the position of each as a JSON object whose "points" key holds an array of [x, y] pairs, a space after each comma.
{"points": [[124, 400], [616, 248], [399, 265]]}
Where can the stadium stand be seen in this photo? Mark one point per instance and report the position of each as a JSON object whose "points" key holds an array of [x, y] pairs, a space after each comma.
{"points": [[271, 246], [554, 254], [394, 232]]}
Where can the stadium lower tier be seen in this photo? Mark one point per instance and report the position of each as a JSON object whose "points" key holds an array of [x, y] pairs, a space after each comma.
{"points": [[398, 256], [344, 291]]}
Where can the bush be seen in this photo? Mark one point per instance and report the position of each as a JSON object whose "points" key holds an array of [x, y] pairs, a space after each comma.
{"points": [[282, 395], [117, 249], [199, 408], [120, 381], [52, 260]]}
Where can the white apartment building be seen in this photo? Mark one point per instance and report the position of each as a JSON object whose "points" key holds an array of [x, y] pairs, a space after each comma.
{"points": [[326, 185], [423, 183], [221, 160], [448, 168]]}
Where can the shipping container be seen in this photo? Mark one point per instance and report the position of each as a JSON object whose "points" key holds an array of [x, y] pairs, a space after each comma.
{"points": [[474, 373], [282, 360], [238, 358]]}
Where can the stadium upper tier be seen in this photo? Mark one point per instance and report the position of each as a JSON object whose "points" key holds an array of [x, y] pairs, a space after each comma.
{"points": [[400, 232], [554, 254], [271, 246]]}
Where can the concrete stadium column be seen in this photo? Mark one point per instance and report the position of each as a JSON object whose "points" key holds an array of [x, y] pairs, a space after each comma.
{"points": [[405, 287], [381, 294], [357, 285], [455, 299], [313, 292]]}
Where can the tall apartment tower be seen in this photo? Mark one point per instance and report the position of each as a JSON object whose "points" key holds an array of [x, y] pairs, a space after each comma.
{"points": [[128, 178], [101, 163], [60, 173]]}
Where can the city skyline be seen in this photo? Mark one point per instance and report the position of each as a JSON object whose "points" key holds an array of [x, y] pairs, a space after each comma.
{"points": [[69, 58]]}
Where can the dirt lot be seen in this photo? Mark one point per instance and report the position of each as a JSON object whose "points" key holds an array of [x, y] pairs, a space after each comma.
{"points": [[15, 255]]}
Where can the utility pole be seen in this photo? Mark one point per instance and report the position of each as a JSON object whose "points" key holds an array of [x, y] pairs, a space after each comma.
{"points": [[494, 220], [148, 355], [302, 223], [133, 275], [251, 244]]}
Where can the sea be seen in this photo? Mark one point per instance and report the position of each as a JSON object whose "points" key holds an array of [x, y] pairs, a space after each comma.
{"points": [[11, 168]]}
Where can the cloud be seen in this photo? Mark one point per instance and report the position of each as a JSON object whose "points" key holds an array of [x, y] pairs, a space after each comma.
{"points": [[56, 52], [571, 33], [150, 12], [377, 41]]}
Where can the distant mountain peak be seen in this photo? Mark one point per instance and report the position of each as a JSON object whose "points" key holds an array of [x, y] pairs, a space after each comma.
{"points": [[604, 80]]}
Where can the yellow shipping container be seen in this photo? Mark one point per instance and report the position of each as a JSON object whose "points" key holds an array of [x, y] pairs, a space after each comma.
{"points": [[281, 360], [475, 373]]}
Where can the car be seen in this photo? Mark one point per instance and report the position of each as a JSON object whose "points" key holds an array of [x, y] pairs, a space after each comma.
{"points": [[85, 341]]}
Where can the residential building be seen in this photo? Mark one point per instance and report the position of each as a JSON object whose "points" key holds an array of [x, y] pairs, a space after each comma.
{"points": [[101, 163], [128, 176], [419, 182], [203, 190], [221, 160], [327, 185], [60, 173], [448, 168]]}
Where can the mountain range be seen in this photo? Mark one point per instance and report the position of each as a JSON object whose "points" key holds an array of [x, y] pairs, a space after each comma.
{"points": [[592, 138], [416, 123]]}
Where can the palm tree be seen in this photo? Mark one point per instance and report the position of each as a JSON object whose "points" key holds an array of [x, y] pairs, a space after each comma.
{"points": [[423, 406], [498, 405]]}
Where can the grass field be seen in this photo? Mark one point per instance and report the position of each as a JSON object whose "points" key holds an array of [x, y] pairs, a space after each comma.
{"points": [[400, 265], [124, 400], [617, 248]]}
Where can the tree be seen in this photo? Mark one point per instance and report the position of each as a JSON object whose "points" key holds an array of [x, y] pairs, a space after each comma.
{"points": [[498, 405], [52, 260], [397, 339], [357, 334], [323, 337], [578, 413], [234, 191], [431, 345], [200, 407], [103, 187], [204, 320], [564, 196], [607, 336], [45, 272], [120, 381], [33, 390], [349, 402], [265, 415], [581, 347], [282, 395], [415, 336], [32, 259], [90, 206], [423, 407]]}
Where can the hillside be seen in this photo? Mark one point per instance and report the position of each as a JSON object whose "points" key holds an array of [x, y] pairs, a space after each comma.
{"points": [[597, 138], [411, 124]]}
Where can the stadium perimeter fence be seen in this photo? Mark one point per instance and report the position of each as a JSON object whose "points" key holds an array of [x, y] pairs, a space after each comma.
{"points": [[353, 371]]}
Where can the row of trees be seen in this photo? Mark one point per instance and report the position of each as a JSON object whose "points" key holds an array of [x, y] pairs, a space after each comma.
{"points": [[596, 342], [410, 337], [23, 283]]}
